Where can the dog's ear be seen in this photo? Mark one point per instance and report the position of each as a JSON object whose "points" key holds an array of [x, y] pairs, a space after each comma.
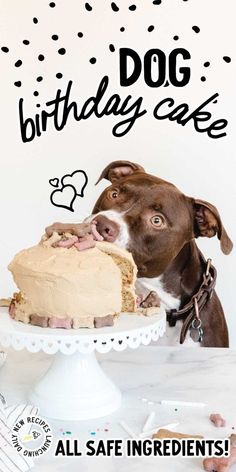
{"points": [[207, 222], [118, 169]]}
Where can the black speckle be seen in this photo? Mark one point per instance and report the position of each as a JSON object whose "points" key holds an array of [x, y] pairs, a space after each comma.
{"points": [[203, 79], [52, 4], [18, 83], [41, 57], [35, 20], [18, 63], [35, 93], [61, 51], [80, 35], [114, 7], [215, 101], [39, 79], [176, 38], [196, 29], [93, 60], [4, 49], [59, 75], [206, 64], [150, 28], [112, 47], [156, 2], [227, 59], [88, 7], [55, 37], [132, 7], [38, 105], [122, 29], [26, 42]]}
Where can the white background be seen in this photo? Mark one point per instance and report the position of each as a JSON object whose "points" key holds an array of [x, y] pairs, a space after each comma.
{"points": [[201, 167]]}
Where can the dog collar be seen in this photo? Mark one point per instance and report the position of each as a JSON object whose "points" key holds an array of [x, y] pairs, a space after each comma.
{"points": [[190, 313]]}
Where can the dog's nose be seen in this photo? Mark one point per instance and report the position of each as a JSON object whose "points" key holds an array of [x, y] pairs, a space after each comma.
{"points": [[107, 228]]}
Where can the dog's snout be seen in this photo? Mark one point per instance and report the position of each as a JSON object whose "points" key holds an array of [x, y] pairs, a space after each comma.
{"points": [[108, 229]]}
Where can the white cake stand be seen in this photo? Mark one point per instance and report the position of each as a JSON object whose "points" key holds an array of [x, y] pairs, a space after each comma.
{"points": [[75, 387]]}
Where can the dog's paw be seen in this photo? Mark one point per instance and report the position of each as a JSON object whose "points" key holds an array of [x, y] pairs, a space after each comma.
{"points": [[152, 300]]}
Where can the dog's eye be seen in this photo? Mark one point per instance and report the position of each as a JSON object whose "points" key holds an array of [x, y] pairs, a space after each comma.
{"points": [[114, 194], [157, 221]]}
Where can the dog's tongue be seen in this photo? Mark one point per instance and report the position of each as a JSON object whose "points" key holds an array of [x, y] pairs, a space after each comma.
{"points": [[95, 233]]}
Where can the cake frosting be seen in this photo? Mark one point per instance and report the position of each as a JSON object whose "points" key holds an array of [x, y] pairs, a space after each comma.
{"points": [[61, 287]]}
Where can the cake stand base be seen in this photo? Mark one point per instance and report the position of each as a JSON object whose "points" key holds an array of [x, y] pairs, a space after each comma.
{"points": [[77, 387]]}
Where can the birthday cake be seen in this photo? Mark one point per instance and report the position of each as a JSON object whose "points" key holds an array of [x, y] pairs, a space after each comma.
{"points": [[63, 287]]}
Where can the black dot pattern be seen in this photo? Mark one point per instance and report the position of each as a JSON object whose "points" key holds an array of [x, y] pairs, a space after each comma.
{"points": [[38, 105], [150, 28], [35, 20], [156, 2], [61, 51], [196, 29], [18, 83], [41, 57], [227, 59], [122, 29], [4, 49], [36, 93], [18, 63], [80, 34], [26, 42], [93, 60], [88, 7], [176, 38], [132, 7], [112, 47], [59, 75], [114, 7], [206, 64], [203, 79], [55, 37], [215, 101], [39, 79], [52, 4]]}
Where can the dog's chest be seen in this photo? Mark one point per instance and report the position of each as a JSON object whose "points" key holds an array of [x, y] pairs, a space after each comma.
{"points": [[144, 286]]}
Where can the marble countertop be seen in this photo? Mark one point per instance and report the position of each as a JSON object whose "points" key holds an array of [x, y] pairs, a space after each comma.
{"points": [[145, 376]]}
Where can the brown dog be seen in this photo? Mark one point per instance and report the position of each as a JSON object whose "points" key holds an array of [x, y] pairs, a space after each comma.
{"points": [[158, 224]]}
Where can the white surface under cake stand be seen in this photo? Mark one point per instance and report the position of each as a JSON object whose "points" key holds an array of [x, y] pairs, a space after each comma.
{"points": [[75, 387]]}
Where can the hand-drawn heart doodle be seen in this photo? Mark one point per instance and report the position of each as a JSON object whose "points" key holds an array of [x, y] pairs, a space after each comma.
{"points": [[78, 179], [54, 182], [64, 197]]}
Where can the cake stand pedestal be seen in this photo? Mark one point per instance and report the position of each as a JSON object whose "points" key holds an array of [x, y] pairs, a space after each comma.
{"points": [[75, 387]]}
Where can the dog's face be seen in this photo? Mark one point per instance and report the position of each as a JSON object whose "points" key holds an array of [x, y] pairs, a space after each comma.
{"points": [[151, 217]]}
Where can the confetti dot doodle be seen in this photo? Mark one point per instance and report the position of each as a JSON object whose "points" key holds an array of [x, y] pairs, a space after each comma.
{"points": [[88, 7], [112, 47], [114, 7], [35, 20], [39, 79], [18, 63], [227, 59], [36, 93], [132, 7], [26, 42], [150, 28], [156, 2], [196, 29], [38, 105], [4, 49], [203, 79], [122, 29], [41, 57], [52, 4], [93, 60], [61, 51], [55, 37], [80, 35], [59, 75], [206, 64], [18, 83], [176, 38]]}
